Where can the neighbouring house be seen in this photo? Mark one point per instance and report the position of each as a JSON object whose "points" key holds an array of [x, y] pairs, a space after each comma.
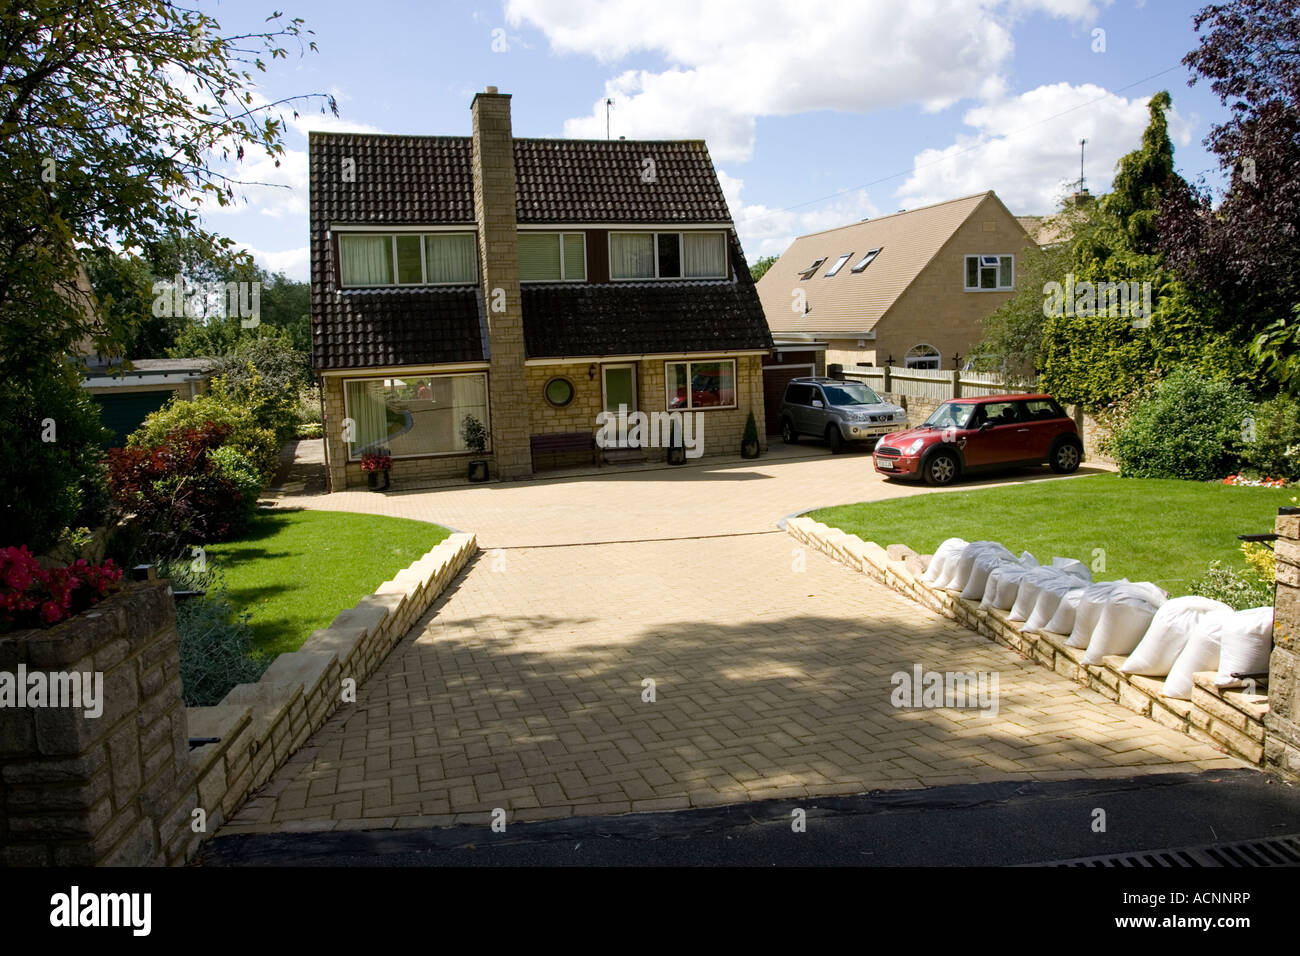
{"points": [[910, 289], [529, 284], [127, 394]]}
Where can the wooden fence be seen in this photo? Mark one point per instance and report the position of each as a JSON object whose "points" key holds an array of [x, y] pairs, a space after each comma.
{"points": [[931, 384]]}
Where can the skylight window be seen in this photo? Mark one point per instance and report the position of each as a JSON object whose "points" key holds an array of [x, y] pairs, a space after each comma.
{"points": [[865, 260], [839, 264], [817, 264]]}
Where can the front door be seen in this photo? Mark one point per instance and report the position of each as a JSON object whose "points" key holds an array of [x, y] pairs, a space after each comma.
{"points": [[618, 387]]}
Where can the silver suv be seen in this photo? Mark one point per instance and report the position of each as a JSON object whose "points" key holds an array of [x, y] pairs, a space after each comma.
{"points": [[838, 411]]}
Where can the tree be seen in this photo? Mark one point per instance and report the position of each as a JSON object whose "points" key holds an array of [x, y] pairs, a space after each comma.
{"points": [[759, 268], [1243, 252], [116, 118]]}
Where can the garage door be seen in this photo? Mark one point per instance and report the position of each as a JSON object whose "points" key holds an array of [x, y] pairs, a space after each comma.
{"points": [[122, 414], [775, 379]]}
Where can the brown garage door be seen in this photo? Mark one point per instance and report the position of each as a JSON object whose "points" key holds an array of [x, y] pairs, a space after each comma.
{"points": [[775, 379]]}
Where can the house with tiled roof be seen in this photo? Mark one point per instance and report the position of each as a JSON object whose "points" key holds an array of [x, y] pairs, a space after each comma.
{"points": [[529, 284], [909, 289]]}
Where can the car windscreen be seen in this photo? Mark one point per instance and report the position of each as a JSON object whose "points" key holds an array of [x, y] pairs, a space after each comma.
{"points": [[951, 415], [850, 393]]}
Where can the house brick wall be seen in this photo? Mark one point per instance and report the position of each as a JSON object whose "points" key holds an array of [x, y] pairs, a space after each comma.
{"points": [[722, 428], [935, 309], [494, 207]]}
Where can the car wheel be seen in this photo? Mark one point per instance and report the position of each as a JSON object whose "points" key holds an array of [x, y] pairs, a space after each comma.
{"points": [[788, 434], [834, 439], [941, 469], [1065, 458]]}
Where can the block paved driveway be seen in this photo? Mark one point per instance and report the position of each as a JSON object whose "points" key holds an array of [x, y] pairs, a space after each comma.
{"points": [[525, 688]]}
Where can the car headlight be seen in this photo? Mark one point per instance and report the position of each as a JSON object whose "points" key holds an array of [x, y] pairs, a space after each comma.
{"points": [[913, 448]]}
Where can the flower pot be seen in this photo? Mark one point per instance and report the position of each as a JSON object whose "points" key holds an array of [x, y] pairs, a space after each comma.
{"points": [[372, 480], [676, 455], [478, 471], [387, 482], [749, 449]]}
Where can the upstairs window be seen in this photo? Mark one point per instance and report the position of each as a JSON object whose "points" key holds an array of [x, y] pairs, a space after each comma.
{"points": [[990, 273], [865, 261], [369, 260], [812, 269], [552, 257], [839, 264], [668, 255]]}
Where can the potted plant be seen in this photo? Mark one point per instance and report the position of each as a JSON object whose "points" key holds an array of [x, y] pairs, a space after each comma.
{"points": [[373, 464], [676, 450], [475, 437], [749, 447]]}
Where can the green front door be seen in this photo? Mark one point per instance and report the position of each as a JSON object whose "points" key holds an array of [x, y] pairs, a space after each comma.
{"points": [[618, 387]]}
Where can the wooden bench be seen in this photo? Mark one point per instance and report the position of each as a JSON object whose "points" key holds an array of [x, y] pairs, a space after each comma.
{"points": [[561, 442]]}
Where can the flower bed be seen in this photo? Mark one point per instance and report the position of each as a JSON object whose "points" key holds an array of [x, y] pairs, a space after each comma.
{"points": [[33, 596]]}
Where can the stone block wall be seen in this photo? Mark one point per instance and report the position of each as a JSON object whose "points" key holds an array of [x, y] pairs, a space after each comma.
{"points": [[1282, 744], [124, 788], [86, 790], [494, 208]]}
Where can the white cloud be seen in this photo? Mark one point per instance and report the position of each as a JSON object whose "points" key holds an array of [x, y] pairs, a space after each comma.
{"points": [[295, 263], [731, 61], [1032, 166], [769, 232]]}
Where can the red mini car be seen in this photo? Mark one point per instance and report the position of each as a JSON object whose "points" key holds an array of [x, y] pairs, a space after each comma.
{"points": [[976, 434]]}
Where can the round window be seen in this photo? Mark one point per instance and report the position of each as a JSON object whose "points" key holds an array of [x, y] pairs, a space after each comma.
{"points": [[559, 392]]}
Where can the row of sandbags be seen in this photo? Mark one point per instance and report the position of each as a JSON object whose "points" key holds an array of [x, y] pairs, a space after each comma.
{"points": [[1166, 638]]}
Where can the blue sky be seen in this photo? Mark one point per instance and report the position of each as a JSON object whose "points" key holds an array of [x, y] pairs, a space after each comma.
{"points": [[816, 115]]}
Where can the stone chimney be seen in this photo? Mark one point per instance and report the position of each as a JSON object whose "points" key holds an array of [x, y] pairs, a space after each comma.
{"points": [[494, 208]]}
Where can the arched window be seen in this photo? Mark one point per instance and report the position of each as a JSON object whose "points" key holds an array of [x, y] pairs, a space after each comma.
{"points": [[922, 356]]}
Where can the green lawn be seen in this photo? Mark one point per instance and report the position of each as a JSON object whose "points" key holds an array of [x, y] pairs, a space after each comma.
{"points": [[1150, 530], [294, 570]]}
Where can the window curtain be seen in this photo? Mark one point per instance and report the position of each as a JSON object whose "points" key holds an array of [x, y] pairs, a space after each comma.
{"points": [[366, 260], [539, 256], [704, 256], [451, 258], [368, 409], [632, 255]]}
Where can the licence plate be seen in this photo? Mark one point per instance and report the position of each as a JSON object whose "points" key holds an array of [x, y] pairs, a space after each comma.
{"points": [[884, 463]]}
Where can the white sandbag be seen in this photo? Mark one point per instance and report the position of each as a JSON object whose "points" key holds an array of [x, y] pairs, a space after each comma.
{"points": [[1062, 621], [1168, 634], [1200, 654], [985, 562], [1050, 596], [1091, 604], [1004, 583], [1124, 619], [1072, 567], [965, 562], [942, 555], [1030, 586], [1245, 645]]}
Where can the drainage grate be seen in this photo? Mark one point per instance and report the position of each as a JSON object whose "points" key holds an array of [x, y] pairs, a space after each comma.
{"points": [[1276, 851]]}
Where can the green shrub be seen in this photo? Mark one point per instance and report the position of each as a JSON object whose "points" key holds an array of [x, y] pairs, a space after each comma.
{"points": [[1191, 427], [1239, 589], [255, 442], [215, 639], [264, 374], [309, 410], [310, 430], [50, 472], [235, 467], [1275, 452]]}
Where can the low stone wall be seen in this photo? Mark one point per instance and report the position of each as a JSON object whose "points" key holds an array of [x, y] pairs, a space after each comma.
{"points": [[1231, 719], [125, 788], [1282, 746], [78, 789]]}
